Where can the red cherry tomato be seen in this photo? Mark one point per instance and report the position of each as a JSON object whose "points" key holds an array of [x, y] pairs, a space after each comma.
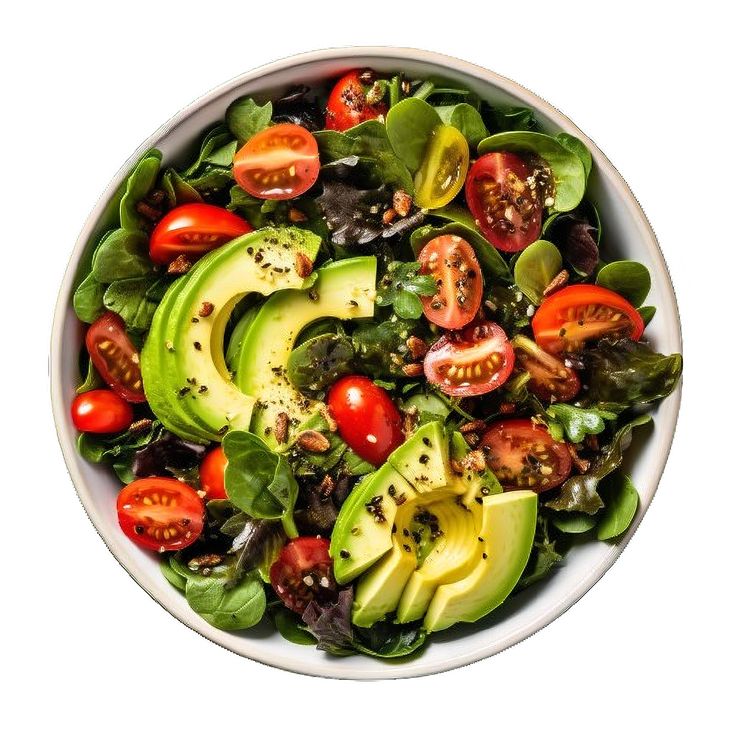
{"points": [[101, 411], [347, 105], [507, 210], [523, 455], [303, 572], [549, 378], [452, 262], [280, 162], [160, 513], [115, 357], [366, 418], [192, 230], [575, 314], [212, 474], [475, 361]]}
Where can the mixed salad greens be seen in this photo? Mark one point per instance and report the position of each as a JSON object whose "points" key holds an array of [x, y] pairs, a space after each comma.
{"points": [[365, 367]]}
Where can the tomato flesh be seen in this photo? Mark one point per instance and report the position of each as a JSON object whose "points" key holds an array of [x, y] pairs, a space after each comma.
{"points": [[549, 378], [444, 168], [280, 162], [212, 474], [570, 317], [115, 357], [192, 230], [470, 363], [163, 514], [366, 417], [347, 104], [523, 455], [303, 572], [505, 200], [451, 261], [101, 411]]}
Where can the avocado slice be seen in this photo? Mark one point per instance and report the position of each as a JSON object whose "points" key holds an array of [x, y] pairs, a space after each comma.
{"points": [[509, 523], [464, 531], [345, 290], [183, 365]]}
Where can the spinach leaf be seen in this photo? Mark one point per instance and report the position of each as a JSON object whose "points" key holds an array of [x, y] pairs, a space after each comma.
{"points": [[388, 640], [381, 345], [135, 300], [139, 184], [500, 118], [580, 492], [317, 363], [427, 406], [401, 286], [566, 166], [575, 423], [88, 299], [121, 254], [291, 627], [466, 119], [91, 377], [461, 223], [622, 500], [177, 190], [213, 139], [258, 480], [624, 373], [409, 125], [628, 278], [535, 268], [171, 575], [509, 307], [544, 557], [576, 146], [573, 522], [245, 118], [647, 314], [230, 608]]}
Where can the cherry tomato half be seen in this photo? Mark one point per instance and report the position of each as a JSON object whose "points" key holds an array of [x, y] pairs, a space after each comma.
{"points": [[101, 411], [507, 209], [347, 104], [160, 513], [212, 474], [549, 378], [523, 455], [472, 362], [193, 230], [452, 262], [115, 357], [444, 168], [366, 418], [575, 314], [303, 572], [280, 162]]}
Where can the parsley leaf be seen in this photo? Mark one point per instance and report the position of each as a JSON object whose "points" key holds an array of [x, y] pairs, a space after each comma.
{"points": [[402, 286]]}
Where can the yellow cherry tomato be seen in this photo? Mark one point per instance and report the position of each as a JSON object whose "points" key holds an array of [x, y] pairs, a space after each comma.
{"points": [[443, 170]]}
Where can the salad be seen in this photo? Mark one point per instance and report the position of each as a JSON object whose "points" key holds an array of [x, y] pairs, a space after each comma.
{"points": [[364, 364]]}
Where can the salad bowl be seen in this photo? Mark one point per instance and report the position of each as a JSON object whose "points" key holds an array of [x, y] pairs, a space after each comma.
{"points": [[629, 236]]}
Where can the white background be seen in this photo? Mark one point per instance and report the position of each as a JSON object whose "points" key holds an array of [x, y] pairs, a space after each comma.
{"points": [[651, 647]]}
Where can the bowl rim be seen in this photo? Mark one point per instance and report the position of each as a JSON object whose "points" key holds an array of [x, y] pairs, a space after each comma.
{"points": [[324, 667]]}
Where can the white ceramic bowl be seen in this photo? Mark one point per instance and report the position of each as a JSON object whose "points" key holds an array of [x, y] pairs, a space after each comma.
{"points": [[627, 235]]}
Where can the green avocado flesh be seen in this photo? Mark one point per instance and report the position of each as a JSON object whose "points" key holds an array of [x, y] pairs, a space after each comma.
{"points": [[423, 541], [186, 380], [344, 290]]}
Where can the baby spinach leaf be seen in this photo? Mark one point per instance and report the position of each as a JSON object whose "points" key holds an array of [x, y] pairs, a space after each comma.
{"points": [[177, 190], [573, 522], [647, 314], [213, 139], [580, 492], [409, 125], [291, 627], [622, 500], [535, 268], [245, 118], [401, 286], [223, 156], [139, 184], [229, 608], [466, 119], [624, 373], [574, 422], [317, 363], [387, 640], [566, 166], [258, 480], [628, 278], [427, 407], [544, 557], [578, 148], [88, 299], [501, 118], [121, 254], [135, 300], [173, 577], [91, 377]]}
